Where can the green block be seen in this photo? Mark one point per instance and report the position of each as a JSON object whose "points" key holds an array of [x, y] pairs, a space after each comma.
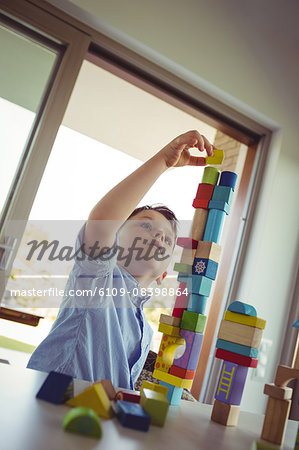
{"points": [[84, 421], [262, 445], [193, 321], [210, 175], [184, 268], [156, 406]]}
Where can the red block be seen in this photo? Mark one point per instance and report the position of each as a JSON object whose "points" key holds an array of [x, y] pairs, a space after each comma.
{"points": [[186, 242], [128, 396], [203, 195], [182, 373], [181, 301], [235, 358]]}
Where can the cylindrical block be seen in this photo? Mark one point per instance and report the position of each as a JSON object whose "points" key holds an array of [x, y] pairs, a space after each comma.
{"points": [[228, 179], [210, 175], [214, 225]]}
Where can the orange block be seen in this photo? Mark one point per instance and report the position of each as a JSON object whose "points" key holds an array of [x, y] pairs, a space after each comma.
{"points": [[181, 372]]}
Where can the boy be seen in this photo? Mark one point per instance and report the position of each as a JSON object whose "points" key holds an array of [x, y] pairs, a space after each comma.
{"points": [[107, 336]]}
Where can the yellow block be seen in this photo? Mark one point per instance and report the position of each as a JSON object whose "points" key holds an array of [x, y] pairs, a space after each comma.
{"points": [[165, 341], [172, 379], [252, 321], [217, 158], [170, 330], [95, 398], [154, 387]]}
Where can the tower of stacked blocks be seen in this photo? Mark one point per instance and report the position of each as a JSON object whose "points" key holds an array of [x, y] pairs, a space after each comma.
{"points": [[197, 271], [239, 338]]}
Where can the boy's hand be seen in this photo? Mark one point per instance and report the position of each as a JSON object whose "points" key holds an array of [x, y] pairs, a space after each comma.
{"points": [[176, 153]]}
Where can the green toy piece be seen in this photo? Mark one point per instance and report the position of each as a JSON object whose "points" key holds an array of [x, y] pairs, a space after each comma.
{"points": [[210, 175], [262, 445], [242, 308], [156, 406], [193, 321], [84, 421]]}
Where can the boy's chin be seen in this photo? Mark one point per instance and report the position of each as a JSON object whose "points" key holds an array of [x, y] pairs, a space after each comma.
{"points": [[150, 269]]}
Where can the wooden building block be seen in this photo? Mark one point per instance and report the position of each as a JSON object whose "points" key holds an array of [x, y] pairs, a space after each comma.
{"points": [[210, 175], [170, 330], [284, 374], [219, 205], [199, 223], [214, 225], [187, 256], [279, 392], [240, 333], [133, 397], [262, 445], [183, 268], [197, 303], [237, 348], [95, 398], [203, 195], [208, 250], [205, 267], [170, 320], [172, 379], [231, 383], [154, 387], [57, 388], [186, 242], [193, 342], [182, 373], [181, 301], [174, 393], [223, 193], [108, 386], [132, 415], [246, 320], [277, 412], [242, 308], [83, 421], [217, 158], [228, 179], [163, 354], [225, 414], [241, 360], [193, 321], [197, 284], [156, 405]]}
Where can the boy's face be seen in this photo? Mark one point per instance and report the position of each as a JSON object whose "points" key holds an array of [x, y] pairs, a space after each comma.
{"points": [[150, 239]]}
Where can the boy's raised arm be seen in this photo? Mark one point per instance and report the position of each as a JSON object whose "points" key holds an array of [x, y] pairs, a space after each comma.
{"points": [[115, 207]]}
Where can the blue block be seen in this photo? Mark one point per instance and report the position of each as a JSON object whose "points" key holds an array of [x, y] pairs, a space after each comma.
{"points": [[237, 348], [205, 267], [223, 194], [219, 204], [197, 284], [132, 415], [228, 179], [197, 303], [174, 393], [214, 225], [231, 383], [57, 388], [242, 308]]}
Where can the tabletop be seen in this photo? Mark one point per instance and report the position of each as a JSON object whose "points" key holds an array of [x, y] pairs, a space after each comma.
{"points": [[30, 424]]}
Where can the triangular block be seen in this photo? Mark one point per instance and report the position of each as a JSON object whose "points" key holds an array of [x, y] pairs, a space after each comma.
{"points": [[57, 388], [95, 398]]}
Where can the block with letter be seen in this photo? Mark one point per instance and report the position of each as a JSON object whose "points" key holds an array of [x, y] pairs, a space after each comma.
{"points": [[132, 415], [156, 405], [277, 412], [240, 333], [193, 342], [94, 397], [231, 383], [225, 414], [57, 388]]}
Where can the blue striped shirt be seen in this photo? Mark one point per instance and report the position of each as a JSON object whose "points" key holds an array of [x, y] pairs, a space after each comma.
{"points": [[101, 335]]}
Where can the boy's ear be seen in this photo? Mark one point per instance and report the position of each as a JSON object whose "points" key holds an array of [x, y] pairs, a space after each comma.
{"points": [[161, 278]]}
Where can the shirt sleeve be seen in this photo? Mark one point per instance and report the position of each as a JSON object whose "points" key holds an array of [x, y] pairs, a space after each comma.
{"points": [[100, 266]]}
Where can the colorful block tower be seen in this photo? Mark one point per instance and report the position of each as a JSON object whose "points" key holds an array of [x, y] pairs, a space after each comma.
{"points": [[197, 271], [239, 338]]}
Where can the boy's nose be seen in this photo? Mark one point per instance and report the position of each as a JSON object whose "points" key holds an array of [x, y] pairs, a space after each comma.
{"points": [[159, 235]]}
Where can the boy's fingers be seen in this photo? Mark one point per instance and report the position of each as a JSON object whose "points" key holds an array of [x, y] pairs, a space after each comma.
{"points": [[208, 146], [196, 161]]}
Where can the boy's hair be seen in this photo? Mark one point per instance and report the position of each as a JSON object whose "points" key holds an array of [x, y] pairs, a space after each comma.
{"points": [[162, 209]]}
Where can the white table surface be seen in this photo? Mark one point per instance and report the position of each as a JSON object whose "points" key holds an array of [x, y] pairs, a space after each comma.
{"points": [[27, 423]]}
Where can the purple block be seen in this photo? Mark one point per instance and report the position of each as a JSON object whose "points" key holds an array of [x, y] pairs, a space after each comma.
{"points": [[231, 383], [190, 357]]}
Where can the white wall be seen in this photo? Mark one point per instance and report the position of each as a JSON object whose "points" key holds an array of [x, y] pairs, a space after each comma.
{"points": [[250, 51]]}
